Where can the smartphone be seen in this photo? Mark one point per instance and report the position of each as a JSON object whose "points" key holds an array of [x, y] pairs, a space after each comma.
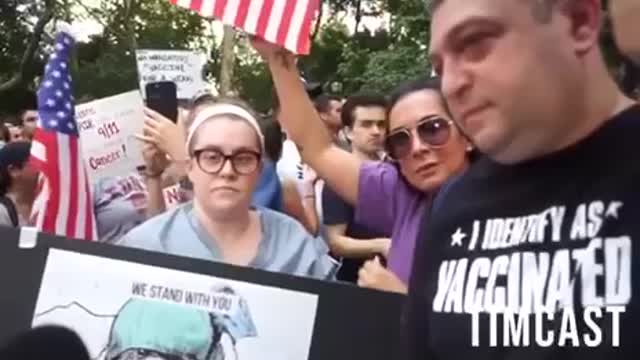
{"points": [[162, 97]]}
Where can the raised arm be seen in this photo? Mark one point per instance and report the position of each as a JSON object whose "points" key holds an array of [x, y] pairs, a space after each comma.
{"points": [[339, 168]]}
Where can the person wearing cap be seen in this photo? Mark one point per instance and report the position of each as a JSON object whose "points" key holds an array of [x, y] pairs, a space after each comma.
{"points": [[225, 149], [153, 329], [18, 182]]}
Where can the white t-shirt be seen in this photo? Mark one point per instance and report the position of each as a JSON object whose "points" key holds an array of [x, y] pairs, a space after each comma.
{"points": [[290, 167]]}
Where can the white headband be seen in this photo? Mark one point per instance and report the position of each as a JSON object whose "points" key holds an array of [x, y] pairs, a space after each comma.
{"points": [[224, 109]]}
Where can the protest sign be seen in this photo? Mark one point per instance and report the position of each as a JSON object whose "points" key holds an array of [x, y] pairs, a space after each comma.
{"points": [[107, 130], [172, 196], [184, 68], [120, 300]]}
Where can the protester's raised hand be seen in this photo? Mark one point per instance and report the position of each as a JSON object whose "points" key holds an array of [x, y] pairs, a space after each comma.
{"points": [[373, 275], [165, 134], [271, 52], [155, 159]]}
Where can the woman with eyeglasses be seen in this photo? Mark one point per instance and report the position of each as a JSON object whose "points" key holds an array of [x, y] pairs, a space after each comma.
{"points": [[225, 150], [424, 146]]}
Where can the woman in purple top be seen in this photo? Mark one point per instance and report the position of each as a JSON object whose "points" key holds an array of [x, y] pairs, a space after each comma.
{"points": [[422, 141]]}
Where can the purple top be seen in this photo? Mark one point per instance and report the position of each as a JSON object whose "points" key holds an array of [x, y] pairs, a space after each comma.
{"points": [[388, 204]]}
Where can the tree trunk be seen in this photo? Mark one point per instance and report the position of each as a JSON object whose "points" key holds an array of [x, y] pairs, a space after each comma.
{"points": [[67, 11], [228, 61], [30, 51], [316, 29], [130, 26], [358, 15]]}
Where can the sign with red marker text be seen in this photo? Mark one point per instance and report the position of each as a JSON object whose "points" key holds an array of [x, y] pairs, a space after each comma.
{"points": [[107, 128], [172, 196]]}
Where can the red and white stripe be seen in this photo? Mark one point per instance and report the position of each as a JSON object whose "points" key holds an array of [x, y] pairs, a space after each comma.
{"points": [[63, 205], [284, 22]]}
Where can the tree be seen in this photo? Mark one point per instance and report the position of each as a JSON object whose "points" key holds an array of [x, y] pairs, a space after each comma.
{"points": [[107, 64], [228, 61], [18, 65]]}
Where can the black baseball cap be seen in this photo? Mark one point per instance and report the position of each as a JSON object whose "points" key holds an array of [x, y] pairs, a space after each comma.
{"points": [[15, 154]]}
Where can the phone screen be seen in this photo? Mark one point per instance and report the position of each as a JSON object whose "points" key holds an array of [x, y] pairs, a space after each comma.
{"points": [[163, 97]]}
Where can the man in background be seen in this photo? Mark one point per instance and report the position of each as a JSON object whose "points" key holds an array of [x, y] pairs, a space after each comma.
{"points": [[329, 108], [29, 122], [364, 120]]}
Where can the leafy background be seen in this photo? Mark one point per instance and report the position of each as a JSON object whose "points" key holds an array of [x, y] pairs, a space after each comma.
{"points": [[372, 60]]}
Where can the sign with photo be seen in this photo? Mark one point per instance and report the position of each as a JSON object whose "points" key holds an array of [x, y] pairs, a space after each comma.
{"points": [[124, 302]]}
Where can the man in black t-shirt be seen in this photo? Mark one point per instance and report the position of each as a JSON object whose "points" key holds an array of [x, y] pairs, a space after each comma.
{"points": [[531, 254], [364, 119]]}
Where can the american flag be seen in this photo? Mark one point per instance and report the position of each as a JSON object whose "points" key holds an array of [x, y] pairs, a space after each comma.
{"points": [[63, 205], [283, 22]]}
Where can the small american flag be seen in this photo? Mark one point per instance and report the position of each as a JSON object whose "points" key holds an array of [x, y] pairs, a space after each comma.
{"points": [[63, 205], [283, 22]]}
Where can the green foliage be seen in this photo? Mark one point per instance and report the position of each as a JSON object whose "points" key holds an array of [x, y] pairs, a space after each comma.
{"points": [[16, 17], [107, 66], [372, 60], [384, 70], [252, 80], [379, 61]]}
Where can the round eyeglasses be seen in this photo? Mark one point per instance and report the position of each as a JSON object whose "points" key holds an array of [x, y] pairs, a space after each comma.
{"points": [[212, 161]]}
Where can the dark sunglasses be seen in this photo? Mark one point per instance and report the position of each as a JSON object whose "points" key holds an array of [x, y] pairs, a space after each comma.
{"points": [[432, 131]]}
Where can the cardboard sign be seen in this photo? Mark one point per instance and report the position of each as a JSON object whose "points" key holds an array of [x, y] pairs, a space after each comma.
{"points": [[120, 299], [107, 130], [172, 197], [162, 306], [182, 67]]}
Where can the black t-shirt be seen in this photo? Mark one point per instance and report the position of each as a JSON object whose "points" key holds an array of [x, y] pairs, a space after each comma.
{"points": [[558, 232], [335, 212]]}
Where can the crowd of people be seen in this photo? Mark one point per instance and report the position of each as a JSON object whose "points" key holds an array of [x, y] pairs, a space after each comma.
{"points": [[501, 184]]}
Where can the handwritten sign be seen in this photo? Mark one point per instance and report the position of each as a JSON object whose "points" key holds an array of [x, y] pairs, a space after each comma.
{"points": [[172, 196], [107, 129], [182, 67]]}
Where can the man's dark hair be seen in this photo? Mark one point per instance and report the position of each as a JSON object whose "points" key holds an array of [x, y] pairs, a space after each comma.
{"points": [[21, 114], [323, 102], [541, 10], [411, 86], [357, 101], [5, 135], [273, 137]]}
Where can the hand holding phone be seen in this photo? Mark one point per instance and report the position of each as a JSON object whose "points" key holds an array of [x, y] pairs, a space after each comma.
{"points": [[162, 97]]}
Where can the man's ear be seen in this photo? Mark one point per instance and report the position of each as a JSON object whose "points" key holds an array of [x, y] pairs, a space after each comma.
{"points": [[348, 132], [585, 21]]}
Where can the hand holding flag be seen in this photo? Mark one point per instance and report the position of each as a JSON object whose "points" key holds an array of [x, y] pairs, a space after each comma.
{"points": [[286, 23]]}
